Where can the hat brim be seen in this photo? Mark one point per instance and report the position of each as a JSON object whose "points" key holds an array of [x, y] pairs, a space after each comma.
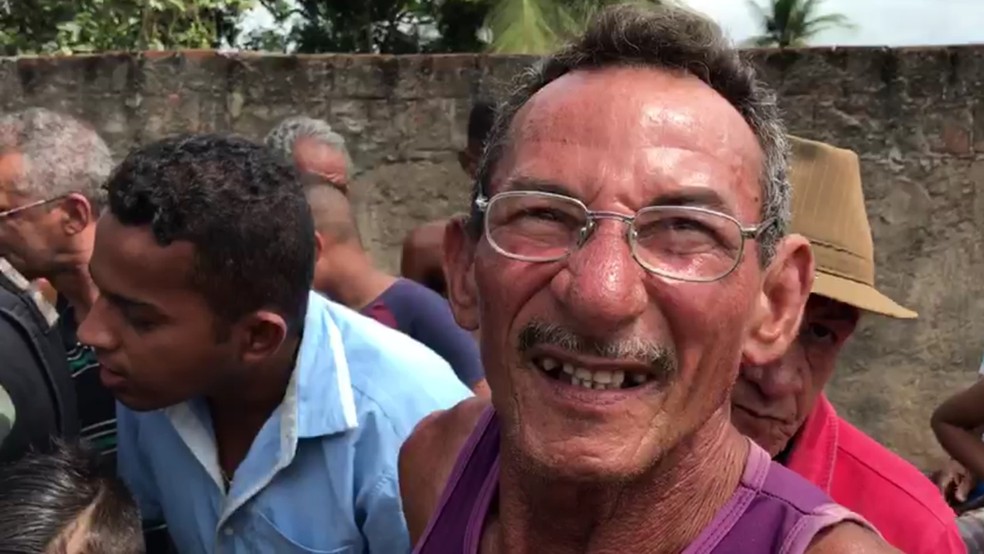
{"points": [[859, 295]]}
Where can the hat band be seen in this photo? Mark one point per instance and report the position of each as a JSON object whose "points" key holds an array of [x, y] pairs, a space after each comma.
{"points": [[843, 263]]}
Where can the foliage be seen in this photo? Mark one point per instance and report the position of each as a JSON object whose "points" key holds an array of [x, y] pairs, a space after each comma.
{"points": [[373, 26], [306, 26], [792, 23], [540, 26], [406, 26], [67, 26]]}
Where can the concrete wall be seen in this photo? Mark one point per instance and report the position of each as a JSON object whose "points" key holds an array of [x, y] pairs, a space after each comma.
{"points": [[914, 115]]}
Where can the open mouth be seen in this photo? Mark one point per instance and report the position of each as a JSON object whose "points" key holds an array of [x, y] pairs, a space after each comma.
{"points": [[601, 379]]}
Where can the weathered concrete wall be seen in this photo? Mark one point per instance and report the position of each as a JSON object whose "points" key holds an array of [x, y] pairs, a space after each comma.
{"points": [[915, 116]]}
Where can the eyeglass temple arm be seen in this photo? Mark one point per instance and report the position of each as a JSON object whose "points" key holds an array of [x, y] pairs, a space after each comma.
{"points": [[756, 231]]}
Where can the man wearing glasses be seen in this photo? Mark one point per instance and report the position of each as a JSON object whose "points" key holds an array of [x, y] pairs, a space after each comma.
{"points": [[626, 251], [51, 169]]}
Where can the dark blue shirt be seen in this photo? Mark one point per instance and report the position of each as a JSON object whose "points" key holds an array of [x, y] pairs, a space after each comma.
{"points": [[425, 316]]}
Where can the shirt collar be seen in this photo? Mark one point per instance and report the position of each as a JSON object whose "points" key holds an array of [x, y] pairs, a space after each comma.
{"points": [[320, 391], [814, 451], [319, 400]]}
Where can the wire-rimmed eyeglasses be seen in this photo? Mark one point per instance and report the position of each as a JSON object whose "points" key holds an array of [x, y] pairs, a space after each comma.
{"points": [[685, 243], [14, 211]]}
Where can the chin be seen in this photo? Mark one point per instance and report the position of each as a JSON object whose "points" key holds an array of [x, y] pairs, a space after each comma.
{"points": [[601, 457], [139, 403], [558, 431], [762, 431]]}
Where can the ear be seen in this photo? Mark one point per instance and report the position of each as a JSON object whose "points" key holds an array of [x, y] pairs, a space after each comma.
{"points": [[76, 214], [319, 279], [779, 310], [459, 269], [319, 246], [262, 333]]}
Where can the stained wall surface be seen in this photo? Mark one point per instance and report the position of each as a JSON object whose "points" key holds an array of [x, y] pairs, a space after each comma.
{"points": [[916, 116]]}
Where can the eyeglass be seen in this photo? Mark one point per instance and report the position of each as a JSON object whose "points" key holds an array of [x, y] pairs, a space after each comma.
{"points": [[684, 243], [14, 211]]}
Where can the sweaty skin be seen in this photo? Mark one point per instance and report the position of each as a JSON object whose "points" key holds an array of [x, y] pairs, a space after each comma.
{"points": [[633, 463]]}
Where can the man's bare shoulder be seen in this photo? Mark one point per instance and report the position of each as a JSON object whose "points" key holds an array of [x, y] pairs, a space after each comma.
{"points": [[428, 457], [441, 434], [426, 236], [850, 538]]}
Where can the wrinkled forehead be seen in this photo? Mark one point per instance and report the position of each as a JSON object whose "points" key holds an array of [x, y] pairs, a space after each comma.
{"points": [[312, 155], [627, 134]]}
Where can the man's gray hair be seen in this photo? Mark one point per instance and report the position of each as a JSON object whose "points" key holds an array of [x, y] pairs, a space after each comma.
{"points": [[284, 136], [668, 37], [61, 155]]}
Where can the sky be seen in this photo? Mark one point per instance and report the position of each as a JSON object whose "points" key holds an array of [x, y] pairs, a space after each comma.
{"points": [[878, 22]]}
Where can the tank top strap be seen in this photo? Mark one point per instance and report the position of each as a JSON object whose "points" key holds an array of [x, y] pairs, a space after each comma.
{"points": [[752, 480], [785, 513], [823, 517], [468, 491]]}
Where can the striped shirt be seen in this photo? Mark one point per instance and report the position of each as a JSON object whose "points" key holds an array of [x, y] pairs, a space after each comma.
{"points": [[97, 406]]}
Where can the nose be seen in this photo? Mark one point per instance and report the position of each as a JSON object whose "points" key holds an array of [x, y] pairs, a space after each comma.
{"points": [[603, 286], [775, 380], [95, 330]]}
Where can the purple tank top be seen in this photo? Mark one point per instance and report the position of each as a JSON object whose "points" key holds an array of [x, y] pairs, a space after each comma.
{"points": [[773, 510]]}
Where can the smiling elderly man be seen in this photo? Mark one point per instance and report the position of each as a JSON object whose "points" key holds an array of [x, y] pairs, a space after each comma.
{"points": [[783, 407], [623, 257]]}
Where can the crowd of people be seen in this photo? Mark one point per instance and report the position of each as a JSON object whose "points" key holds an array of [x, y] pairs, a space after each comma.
{"points": [[622, 346]]}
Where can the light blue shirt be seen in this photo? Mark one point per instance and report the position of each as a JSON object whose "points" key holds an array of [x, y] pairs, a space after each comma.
{"points": [[321, 475]]}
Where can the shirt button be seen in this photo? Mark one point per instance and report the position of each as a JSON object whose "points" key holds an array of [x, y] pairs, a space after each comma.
{"points": [[228, 531]]}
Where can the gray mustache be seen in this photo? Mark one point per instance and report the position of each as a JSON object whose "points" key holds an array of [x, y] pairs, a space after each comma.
{"points": [[661, 359]]}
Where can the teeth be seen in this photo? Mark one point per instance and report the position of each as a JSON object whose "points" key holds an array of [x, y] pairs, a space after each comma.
{"points": [[596, 380], [618, 377]]}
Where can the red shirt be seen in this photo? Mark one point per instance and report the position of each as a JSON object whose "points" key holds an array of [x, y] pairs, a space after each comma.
{"points": [[869, 479]]}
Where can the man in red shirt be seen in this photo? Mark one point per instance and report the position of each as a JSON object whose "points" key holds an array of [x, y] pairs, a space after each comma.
{"points": [[783, 408]]}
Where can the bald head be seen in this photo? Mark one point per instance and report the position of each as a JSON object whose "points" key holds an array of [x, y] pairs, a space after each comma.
{"points": [[332, 212]]}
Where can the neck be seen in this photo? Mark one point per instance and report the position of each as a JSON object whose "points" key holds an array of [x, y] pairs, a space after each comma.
{"points": [[662, 511], [74, 283], [253, 398], [72, 279], [353, 280]]}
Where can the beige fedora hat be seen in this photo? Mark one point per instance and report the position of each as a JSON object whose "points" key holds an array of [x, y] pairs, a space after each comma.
{"points": [[828, 209]]}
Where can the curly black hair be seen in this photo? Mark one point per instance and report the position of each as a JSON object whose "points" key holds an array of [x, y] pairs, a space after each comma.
{"points": [[240, 205]]}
